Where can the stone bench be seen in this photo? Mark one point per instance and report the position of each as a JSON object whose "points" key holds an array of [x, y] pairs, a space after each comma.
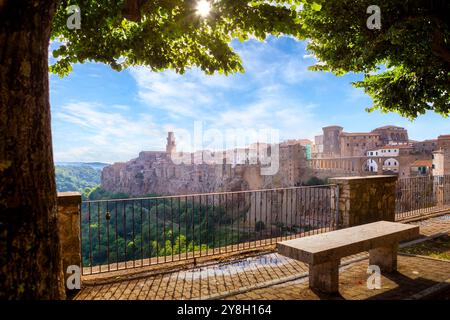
{"points": [[323, 252]]}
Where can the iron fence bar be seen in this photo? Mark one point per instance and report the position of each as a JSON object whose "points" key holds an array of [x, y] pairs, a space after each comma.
{"points": [[133, 233], [157, 228], [193, 228], [108, 217], [117, 237], [125, 234], [213, 236], [81, 238], [90, 236], [142, 233], [179, 229], [337, 207], [172, 234], [149, 232], [164, 231], [98, 234], [186, 226]]}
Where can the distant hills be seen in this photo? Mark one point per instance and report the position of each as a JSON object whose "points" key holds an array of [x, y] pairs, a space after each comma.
{"points": [[94, 165], [77, 176]]}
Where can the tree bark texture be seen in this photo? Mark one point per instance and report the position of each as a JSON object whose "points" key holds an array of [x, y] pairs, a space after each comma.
{"points": [[30, 264]]}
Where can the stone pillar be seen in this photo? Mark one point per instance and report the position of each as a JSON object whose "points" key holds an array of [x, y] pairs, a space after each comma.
{"points": [[325, 277], [384, 257], [69, 204], [365, 199]]}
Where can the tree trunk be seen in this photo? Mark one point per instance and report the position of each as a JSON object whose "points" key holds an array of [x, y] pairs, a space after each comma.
{"points": [[30, 265]]}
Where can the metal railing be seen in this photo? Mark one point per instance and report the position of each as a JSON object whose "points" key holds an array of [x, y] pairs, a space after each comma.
{"points": [[130, 233], [422, 195]]}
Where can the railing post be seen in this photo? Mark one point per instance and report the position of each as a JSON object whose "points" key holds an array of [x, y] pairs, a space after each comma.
{"points": [[337, 208], [69, 206], [365, 199]]}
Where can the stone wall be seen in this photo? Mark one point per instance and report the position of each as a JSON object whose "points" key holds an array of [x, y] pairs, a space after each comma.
{"points": [[69, 229], [365, 199]]}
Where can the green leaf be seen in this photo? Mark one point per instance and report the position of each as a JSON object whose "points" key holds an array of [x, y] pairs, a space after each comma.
{"points": [[316, 6]]}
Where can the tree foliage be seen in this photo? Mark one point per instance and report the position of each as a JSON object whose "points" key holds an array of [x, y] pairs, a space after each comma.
{"points": [[76, 178], [167, 34], [406, 63]]}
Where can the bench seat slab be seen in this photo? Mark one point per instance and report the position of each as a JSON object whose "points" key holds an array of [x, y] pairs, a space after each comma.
{"points": [[338, 244]]}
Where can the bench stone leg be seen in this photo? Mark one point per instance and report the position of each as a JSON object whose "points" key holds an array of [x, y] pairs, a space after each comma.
{"points": [[384, 257], [325, 277]]}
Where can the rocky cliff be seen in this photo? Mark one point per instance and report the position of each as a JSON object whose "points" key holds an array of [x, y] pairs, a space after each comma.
{"points": [[155, 173]]}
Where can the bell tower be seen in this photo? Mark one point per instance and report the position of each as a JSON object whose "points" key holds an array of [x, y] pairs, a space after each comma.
{"points": [[171, 146]]}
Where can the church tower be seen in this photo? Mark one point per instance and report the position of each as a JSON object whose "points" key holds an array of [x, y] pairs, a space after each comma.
{"points": [[171, 146]]}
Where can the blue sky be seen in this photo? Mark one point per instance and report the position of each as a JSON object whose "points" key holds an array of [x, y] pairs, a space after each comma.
{"points": [[99, 114]]}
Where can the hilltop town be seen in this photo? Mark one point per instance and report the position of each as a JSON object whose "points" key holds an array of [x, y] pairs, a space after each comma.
{"points": [[335, 153]]}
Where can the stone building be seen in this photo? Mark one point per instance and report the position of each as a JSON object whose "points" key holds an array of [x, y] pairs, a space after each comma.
{"points": [[331, 141], [172, 173], [334, 142], [171, 146], [384, 150], [292, 162], [426, 146], [443, 142], [356, 144], [392, 135], [421, 168], [317, 148], [441, 157]]}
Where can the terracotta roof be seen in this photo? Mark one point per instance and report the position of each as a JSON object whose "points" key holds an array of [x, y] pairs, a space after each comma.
{"points": [[422, 163]]}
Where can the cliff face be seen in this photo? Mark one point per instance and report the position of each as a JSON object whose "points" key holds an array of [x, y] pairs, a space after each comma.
{"points": [[154, 172]]}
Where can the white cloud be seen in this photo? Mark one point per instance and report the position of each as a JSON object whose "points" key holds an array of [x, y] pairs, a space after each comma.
{"points": [[104, 134], [216, 99]]}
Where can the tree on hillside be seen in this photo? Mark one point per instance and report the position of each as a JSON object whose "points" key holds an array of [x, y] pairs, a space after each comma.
{"points": [[160, 34], [412, 46]]}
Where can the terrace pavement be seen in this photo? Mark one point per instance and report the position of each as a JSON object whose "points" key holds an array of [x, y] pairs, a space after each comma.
{"points": [[272, 276]]}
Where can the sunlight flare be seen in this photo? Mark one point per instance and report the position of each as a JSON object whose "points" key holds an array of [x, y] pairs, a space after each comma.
{"points": [[203, 8]]}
